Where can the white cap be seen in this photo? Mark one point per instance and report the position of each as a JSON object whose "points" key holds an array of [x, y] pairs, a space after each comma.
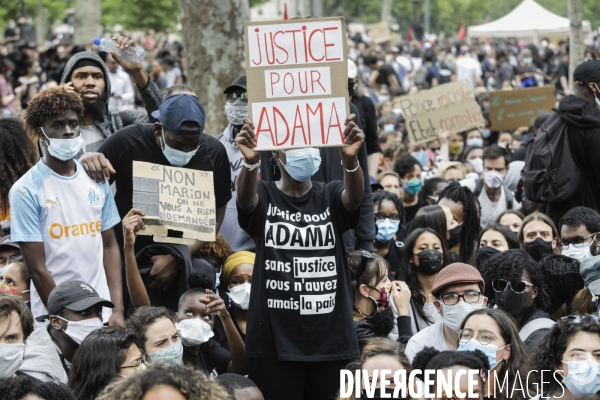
{"points": [[352, 70]]}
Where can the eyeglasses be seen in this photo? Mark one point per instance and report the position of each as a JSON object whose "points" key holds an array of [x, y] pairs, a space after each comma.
{"points": [[578, 243], [365, 257], [381, 216], [500, 285], [451, 299], [232, 97], [139, 361], [483, 337]]}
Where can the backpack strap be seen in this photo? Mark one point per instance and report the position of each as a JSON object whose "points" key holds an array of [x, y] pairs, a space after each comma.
{"points": [[536, 324], [509, 198], [478, 187]]}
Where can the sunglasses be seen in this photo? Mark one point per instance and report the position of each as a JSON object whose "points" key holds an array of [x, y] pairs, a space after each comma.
{"points": [[500, 285], [232, 97]]}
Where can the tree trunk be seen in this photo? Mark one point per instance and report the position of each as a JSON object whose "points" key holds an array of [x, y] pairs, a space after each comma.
{"points": [[213, 36], [576, 45], [40, 28], [386, 10], [87, 21]]}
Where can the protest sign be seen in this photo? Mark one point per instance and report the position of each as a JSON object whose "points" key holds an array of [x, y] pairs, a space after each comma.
{"points": [[511, 109], [381, 32], [450, 107], [297, 72], [179, 203]]}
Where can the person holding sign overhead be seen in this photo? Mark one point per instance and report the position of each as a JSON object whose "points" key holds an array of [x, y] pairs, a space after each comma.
{"points": [[300, 332]]}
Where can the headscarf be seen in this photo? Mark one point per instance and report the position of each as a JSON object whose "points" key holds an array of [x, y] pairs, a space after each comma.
{"points": [[241, 257]]}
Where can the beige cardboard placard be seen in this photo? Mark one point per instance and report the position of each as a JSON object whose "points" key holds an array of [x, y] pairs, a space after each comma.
{"points": [[381, 32], [179, 203], [297, 72], [511, 109], [450, 107]]}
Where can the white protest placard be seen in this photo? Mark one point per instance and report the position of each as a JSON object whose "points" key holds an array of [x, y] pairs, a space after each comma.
{"points": [[179, 203], [297, 72]]}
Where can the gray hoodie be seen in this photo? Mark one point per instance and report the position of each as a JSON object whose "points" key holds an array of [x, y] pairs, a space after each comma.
{"points": [[112, 121], [42, 360]]}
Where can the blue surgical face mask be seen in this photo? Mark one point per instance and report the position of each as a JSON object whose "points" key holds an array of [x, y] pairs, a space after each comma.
{"points": [[389, 128], [485, 133], [301, 164], [386, 230], [489, 350], [170, 355], [421, 156], [175, 157], [583, 377], [64, 149], [475, 142]]}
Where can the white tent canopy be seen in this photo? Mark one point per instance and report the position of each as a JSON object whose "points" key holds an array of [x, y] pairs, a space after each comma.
{"points": [[527, 20]]}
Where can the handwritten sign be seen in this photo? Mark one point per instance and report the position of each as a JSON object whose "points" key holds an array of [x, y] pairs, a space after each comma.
{"points": [[381, 32], [512, 109], [297, 73], [450, 107], [179, 203]]}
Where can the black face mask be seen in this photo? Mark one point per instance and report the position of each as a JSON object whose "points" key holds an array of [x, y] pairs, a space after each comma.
{"points": [[351, 88], [484, 253], [430, 261], [383, 322], [538, 249], [454, 236], [513, 303]]}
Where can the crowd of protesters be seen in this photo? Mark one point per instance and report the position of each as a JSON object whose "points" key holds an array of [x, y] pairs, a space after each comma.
{"points": [[378, 255]]}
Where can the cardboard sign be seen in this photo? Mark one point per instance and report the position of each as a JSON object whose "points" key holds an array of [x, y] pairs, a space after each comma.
{"points": [[450, 107], [381, 32], [179, 203], [511, 109], [297, 73]]}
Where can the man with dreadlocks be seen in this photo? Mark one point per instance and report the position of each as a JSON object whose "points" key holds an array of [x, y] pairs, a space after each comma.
{"points": [[64, 219], [17, 156]]}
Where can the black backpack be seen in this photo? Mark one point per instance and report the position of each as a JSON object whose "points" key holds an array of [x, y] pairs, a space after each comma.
{"points": [[421, 77], [550, 174]]}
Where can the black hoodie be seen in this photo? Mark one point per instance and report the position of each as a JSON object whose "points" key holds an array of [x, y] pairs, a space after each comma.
{"points": [[112, 121], [583, 119]]}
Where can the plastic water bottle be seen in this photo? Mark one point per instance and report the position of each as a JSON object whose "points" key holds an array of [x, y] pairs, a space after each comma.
{"points": [[133, 54]]}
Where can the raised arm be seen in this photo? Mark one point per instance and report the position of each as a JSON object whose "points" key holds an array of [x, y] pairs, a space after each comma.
{"points": [[135, 285], [353, 174], [247, 181]]}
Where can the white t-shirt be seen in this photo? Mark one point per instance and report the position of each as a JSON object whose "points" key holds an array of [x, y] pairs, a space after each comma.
{"points": [[432, 336], [490, 210], [468, 69], [68, 215], [92, 138]]}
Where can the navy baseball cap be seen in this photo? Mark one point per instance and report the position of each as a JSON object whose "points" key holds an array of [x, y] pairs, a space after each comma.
{"points": [[590, 272], [180, 108], [74, 295]]}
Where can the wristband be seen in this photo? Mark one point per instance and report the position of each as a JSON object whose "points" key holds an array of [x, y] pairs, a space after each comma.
{"points": [[351, 170], [250, 167]]}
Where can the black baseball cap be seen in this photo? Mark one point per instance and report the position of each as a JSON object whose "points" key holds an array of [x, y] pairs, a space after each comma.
{"points": [[5, 242], [238, 85], [179, 108], [587, 71], [74, 295]]}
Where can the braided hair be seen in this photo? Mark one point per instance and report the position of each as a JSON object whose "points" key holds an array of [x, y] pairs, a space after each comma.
{"points": [[17, 153]]}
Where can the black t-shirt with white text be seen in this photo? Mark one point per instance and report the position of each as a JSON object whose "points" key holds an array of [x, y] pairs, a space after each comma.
{"points": [[301, 298], [138, 143]]}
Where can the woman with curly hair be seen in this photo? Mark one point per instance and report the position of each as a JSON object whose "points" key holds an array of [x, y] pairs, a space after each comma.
{"points": [[571, 350], [562, 281], [515, 284], [17, 155], [494, 333], [162, 381]]}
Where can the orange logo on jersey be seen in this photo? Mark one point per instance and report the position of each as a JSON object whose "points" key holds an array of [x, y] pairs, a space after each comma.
{"points": [[58, 230]]}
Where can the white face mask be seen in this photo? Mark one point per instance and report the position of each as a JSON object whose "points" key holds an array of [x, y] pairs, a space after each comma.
{"points": [[240, 296], [64, 149], [79, 330], [477, 163], [194, 331], [493, 179], [455, 315], [176, 158], [11, 358], [581, 254], [236, 112]]}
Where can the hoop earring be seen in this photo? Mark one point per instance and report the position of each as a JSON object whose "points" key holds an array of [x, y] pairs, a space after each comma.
{"points": [[376, 308], [273, 164]]}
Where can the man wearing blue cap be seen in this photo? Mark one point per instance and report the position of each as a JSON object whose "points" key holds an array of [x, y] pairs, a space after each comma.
{"points": [[177, 140]]}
